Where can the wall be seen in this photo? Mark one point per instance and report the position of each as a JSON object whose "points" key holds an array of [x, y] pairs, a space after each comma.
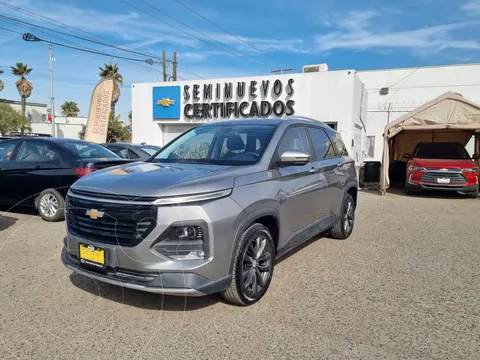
{"points": [[64, 127], [36, 112], [326, 96], [412, 87]]}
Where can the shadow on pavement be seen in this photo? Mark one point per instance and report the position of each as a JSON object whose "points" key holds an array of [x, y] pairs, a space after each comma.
{"points": [[6, 222], [141, 299]]}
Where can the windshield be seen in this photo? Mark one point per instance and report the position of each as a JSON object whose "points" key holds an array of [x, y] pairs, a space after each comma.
{"points": [[86, 150], [219, 144], [150, 150], [441, 151]]}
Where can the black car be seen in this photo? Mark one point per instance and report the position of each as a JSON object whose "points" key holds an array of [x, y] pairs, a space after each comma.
{"points": [[138, 152], [39, 171]]}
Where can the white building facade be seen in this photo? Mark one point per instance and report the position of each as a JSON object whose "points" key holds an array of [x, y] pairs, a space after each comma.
{"points": [[393, 93], [161, 111]]}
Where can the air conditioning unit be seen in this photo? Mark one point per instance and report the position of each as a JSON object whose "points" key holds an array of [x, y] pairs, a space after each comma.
{"points": [[315, 68]]}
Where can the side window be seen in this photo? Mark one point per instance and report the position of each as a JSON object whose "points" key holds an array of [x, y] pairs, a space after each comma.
{"points": [[132, 155], [7, 148], [294, 139], [339, 145], [321, 143], [122, 152], [36, 151]]}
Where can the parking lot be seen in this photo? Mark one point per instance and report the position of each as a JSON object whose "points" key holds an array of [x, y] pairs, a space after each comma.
{"points": [[404, 286]]}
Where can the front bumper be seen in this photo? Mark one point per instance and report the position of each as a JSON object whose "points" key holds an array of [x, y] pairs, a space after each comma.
{"points": [[457, 181], [436, 187], [139, 266], [177, 284]]}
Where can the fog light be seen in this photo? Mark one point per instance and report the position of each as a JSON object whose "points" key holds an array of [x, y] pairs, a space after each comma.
{"points": [[182, 243]]}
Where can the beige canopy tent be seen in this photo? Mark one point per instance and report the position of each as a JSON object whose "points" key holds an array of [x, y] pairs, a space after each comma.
{"points": [[450, 117]]}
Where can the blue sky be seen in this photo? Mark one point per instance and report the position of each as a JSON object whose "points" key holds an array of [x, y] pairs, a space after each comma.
{"points": [[351, 34]]}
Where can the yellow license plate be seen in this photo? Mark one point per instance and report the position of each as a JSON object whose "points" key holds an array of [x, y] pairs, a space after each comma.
{"points": [[92, 255]]}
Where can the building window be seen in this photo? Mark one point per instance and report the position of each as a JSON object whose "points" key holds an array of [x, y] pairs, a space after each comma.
{"points": [[333, 125], [370, 146]]}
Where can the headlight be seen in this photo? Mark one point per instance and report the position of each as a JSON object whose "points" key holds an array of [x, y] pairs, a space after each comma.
{"points": [[416, 168], [471, 170], [184, 242]]}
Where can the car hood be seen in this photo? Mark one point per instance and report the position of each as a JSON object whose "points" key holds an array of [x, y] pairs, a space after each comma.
{"points": [[158, 180], [444, 163]]}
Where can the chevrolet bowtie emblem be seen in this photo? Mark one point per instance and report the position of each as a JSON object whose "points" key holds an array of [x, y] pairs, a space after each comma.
{"points": [[165, 102], [94, 214], [444, 169]]}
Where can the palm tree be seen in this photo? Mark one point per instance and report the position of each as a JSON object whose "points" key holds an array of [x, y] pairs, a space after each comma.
{"points": [[24, 86], [110, 71], [1, 82], [70, 108]]}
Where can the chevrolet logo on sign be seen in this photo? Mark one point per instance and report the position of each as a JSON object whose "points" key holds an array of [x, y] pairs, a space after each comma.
{"points": [[165, 102], [94, 214]]}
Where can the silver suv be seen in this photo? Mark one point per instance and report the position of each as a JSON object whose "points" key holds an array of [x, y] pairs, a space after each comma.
{"points": [[213, 209]]}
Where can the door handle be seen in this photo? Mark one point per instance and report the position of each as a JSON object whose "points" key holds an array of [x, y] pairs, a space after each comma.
{"points": [[313, 170]]}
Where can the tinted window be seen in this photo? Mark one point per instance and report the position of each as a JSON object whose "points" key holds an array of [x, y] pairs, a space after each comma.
{"points": [[150, 150], [441, 151], [322, 145], [339, 145], [122, 152], [219, 144], [36, 151], [132, 155], [7, 148], [87, 150], [294, 139]]}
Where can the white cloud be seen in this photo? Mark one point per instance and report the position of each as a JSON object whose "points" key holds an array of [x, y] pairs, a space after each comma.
{"points": [[358, 30], [472, 7]]}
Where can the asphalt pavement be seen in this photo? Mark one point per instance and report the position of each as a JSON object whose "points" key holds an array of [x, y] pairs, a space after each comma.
{"points": [[406, 285]]}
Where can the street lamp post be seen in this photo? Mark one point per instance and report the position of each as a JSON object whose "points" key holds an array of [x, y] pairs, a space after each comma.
{"points": [[52, 98]]}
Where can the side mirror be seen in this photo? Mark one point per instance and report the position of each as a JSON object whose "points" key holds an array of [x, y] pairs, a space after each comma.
{"points": [[292, 158], [476, 156], [407, 156]]}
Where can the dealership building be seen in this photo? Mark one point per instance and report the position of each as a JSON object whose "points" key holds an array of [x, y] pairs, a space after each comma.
{"points": [[358, 104]]}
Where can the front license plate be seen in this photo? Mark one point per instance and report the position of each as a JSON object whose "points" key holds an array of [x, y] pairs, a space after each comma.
{"points": [[92, 256], [443, 181]]}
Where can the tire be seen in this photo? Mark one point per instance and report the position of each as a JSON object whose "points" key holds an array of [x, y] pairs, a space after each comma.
{"points": [[340, 230], [51, 205], [473, 194], [240, 292], [408, 190]]}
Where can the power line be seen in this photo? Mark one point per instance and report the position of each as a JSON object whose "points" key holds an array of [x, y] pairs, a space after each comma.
{"points": [[229, 33], [399, 81], [187, 33], [12, 31], [56, 23]]}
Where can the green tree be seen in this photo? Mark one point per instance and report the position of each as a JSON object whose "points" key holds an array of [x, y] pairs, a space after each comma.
{"points": [[11, 120], [110, 71], [129, 126], [1, 82], [116, 130], [24, 86], [70, 108]]}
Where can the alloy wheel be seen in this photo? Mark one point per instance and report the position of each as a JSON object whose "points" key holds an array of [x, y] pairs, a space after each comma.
{"points": [[257, 266], [48, 205], [348, 216]]}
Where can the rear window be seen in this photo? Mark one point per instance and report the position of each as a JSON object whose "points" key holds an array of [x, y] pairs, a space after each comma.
{"points": [[86, 150]]}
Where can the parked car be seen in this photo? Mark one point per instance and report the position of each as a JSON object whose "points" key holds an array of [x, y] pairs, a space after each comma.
{"points": [[445, 166], [213, 209], [38, 171], [139, 152]]}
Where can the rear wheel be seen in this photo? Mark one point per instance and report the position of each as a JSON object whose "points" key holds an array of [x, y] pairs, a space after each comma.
{"points": [[253, 266], [51, 205], [344, 226]]}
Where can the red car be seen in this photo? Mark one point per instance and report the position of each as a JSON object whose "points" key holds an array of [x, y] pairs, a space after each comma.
{"points": [[442, 166]]}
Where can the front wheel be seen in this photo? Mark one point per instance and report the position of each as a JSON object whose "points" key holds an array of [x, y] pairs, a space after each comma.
{"points": [[253, 266], [344, 226], [51, 205]]}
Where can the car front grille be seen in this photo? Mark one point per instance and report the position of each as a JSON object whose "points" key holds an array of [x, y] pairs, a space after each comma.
{"points": [[455, 178], [122, 224], [442, 170]]}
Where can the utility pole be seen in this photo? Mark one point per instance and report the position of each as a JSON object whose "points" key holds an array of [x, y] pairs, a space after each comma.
{"points": [[52, 98], [164, 65], [174, 66]]}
